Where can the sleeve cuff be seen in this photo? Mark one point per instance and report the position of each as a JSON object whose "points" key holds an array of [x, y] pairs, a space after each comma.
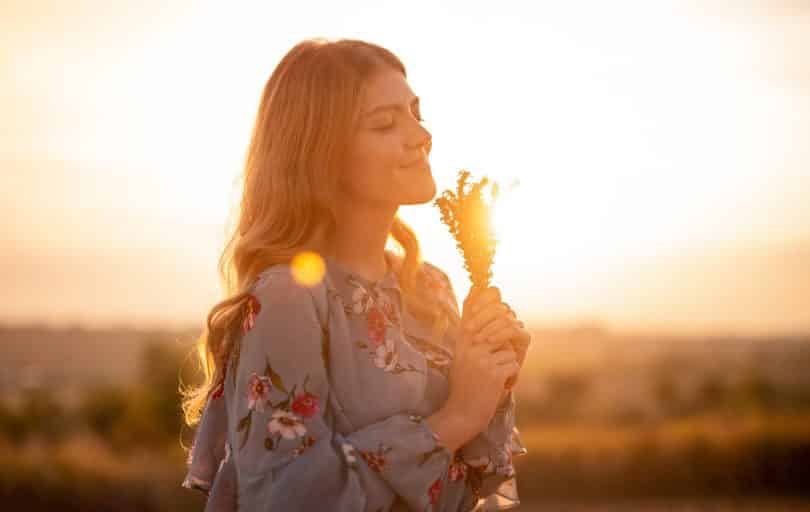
{"points": [[489, 458]]}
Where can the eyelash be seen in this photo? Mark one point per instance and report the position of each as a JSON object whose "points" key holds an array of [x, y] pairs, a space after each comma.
{"points": [[386, 128]]}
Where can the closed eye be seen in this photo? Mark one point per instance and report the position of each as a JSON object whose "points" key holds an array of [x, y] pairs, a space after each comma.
{"points": [[390, 126]]}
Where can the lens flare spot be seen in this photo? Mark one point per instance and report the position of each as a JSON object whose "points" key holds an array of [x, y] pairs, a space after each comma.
{"points": [[308, 268]]}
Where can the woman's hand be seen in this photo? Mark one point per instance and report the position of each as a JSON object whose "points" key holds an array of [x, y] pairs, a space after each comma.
{"points": [[477, 378], [489, 320]]}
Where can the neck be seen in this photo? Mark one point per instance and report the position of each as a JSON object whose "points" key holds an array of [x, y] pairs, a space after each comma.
{"points": [[359, 239]]}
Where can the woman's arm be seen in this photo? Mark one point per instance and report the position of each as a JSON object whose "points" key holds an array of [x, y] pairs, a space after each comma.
{"points": [[489, 454]]}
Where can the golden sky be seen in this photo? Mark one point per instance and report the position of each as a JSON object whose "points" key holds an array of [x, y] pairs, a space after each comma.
{"points": [[661, 147]]}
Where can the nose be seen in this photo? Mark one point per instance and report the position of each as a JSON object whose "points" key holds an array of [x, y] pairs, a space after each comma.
{"points": [[425, 140]]}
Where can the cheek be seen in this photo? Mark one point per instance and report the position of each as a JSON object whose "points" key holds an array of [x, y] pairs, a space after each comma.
{"points": [[374, 156], [374, 151], [371, 162]]}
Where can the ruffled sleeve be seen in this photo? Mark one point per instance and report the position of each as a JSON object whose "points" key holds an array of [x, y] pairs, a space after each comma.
{"points": [[491, 478], [489, 456], [286, 452], [209, 466]]}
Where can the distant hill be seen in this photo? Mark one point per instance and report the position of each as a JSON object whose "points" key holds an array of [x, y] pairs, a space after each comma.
{"points": [[33, 356]]}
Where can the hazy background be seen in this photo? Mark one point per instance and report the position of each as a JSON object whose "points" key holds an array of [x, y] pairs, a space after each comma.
{"points": [[661, 147], [658, 244]]}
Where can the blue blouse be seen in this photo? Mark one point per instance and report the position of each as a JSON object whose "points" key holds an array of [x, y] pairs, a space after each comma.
{"points": [[323, 405]]}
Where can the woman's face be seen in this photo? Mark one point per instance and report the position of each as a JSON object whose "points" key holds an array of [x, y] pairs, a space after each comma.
{"points": [[389, 137]]}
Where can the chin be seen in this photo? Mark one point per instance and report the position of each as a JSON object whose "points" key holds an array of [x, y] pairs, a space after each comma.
{"points": [[418, 188], [425, 195]]}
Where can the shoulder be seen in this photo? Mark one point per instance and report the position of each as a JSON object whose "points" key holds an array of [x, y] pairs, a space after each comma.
{"points": [[437, 282], [277, 285], [433, 275], [277, 302]]}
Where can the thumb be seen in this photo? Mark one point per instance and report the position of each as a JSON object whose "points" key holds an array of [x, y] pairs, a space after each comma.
{"points": [[471, 299]]}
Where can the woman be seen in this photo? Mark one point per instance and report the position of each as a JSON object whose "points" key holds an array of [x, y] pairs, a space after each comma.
{"points": [[367, 390]]}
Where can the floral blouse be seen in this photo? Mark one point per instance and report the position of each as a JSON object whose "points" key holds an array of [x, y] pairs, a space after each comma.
{"points": [[323, 406]]}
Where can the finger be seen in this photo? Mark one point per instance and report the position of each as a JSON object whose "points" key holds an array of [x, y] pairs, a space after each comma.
{"points": [[508, 370], [478, 298], [469, 304], [485, 316], [473, 295], [465, 341], [508, 333], [522, 339], [494, 347], [502, 357], [496, 325], [511, 311], [485, 350], [487, 296]]}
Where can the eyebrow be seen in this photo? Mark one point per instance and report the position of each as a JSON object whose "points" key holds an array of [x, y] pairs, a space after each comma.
{"points": [[396, 106]]}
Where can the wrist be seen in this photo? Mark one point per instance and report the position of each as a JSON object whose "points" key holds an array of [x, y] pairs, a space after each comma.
{"points": [[452, 428]]}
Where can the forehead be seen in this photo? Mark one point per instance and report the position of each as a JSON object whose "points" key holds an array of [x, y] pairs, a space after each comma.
{"points": [[386, 87]]}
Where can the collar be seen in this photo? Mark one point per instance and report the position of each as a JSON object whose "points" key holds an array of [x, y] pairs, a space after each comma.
{"points": [[389, 281]]}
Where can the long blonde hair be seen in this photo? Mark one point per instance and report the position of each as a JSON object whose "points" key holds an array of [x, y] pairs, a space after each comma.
{"points": [[299, 139]]}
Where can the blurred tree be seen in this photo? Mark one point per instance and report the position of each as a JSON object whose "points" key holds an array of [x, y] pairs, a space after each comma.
{"points": [[565, 395], [666, 393], [153, 415], [102, 407], [712, 393], [755, 391], [41, 414], [12, 424]]}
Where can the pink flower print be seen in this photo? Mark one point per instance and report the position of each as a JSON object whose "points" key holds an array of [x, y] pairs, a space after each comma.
{"points": [[390, 310], [457, 471], [287, 424], [252, 309], [258, 391], [305, 404], [434, 491], [361, 300], [386, 356], [376, 325]]}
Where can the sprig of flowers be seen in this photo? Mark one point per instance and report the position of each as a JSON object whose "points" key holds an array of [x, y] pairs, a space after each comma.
{"points": [[469, 218]]}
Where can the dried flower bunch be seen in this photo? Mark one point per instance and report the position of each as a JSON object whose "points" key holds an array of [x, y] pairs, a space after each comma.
{"points": [[469, 218]]}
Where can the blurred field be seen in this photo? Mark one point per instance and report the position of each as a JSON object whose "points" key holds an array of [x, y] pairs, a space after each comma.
{"points": [[704, 505], [90, 420]]}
